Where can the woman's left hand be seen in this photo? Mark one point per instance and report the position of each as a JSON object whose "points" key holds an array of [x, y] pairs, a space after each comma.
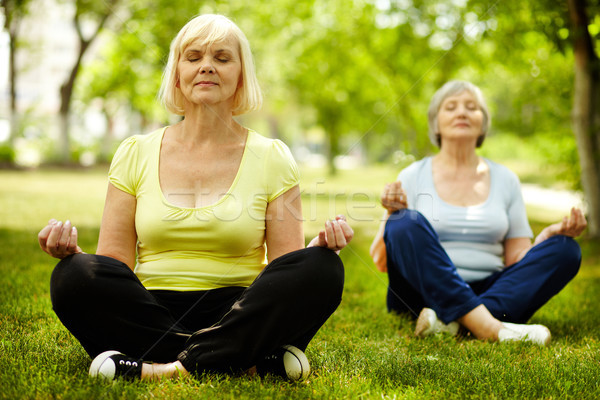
{"points": [[393, 197], [572, 225], [336, 235]]}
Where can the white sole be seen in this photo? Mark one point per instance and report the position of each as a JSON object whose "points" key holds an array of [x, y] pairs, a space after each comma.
{"points": [[538, 334], [98, 361], [295, 363], [428, 324]]}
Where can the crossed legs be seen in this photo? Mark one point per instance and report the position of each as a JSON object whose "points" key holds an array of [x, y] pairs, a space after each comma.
{"points": [[422, 275], [105, 306]]}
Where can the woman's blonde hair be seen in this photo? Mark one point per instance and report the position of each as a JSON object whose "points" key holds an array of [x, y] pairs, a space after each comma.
{"points": [[211, 28]]}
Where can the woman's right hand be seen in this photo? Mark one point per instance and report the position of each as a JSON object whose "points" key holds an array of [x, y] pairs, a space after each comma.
{"points": [[58, 239], [393, 197], [336, 235], [572, 225]]}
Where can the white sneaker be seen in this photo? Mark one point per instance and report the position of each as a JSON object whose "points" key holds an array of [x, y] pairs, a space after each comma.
{"points": [[429, 324], [537, 334], [113, 364], [288, 362]]}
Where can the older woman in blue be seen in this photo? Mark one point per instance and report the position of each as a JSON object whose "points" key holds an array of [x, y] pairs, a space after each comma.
{"points": [[456, 242]]}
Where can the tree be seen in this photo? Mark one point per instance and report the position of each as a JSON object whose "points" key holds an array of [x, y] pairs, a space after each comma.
{"points": [[568, 27], [586, 107], [14, 12], [335, 73], [85, 11], [356, 74], [126, 72], [364, 71]]}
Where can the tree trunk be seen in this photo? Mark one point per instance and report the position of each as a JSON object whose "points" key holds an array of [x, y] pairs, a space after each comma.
{"points": [[66, 93], [12, 78], [66, 89], [13, 14], [331, 126], [586, 111], [108, 138]]}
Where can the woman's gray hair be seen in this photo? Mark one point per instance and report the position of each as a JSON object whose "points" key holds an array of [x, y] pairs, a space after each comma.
{"points": [[449, 89], [211, 28]]}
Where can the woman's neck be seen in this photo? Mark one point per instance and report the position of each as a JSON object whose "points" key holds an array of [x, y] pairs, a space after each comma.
{"points": [[457, 156], [209, 125]]}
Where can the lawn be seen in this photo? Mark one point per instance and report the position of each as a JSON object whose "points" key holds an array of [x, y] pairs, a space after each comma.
{"points": [[361, 352]]}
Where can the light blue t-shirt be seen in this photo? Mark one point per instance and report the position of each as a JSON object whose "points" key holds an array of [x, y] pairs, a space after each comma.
{"points": [[472, 236]]}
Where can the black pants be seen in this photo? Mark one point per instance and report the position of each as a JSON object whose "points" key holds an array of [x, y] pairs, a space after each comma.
{"points": [[104, 305]]}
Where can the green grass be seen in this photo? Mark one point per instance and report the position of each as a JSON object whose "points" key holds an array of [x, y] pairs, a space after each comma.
{"points": [[361, 352]]}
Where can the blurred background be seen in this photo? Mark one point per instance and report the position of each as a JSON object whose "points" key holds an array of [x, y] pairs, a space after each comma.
{"points": [[346, 82]]}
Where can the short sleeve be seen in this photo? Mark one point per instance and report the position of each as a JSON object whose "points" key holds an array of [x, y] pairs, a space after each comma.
{"points": [[518, 224], [410, 184], [123, 168], [281, 170]]}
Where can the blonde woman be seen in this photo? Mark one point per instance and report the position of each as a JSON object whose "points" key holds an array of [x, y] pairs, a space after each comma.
{"points": [[201, 263]]}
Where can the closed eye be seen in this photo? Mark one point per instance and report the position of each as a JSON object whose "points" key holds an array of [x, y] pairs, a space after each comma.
{"points": [[193, 55]]}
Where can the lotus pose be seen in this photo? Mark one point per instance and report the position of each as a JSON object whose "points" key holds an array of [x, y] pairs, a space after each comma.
{"points": [[201, 263], [456, 242]]}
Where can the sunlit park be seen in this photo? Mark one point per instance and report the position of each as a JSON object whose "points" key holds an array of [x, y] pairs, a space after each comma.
{"points": [[346, 85]]}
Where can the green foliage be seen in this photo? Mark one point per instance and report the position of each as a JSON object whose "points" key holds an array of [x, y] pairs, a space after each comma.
{"points": [[7, 154], [361, 73], [550, 160], [13, 12], [361, 352]]}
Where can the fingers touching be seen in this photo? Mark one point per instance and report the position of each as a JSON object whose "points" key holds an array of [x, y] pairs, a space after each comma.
{"points": [[58, 239], [336, 235], [393, 197], [575, 224], [572, 225]]}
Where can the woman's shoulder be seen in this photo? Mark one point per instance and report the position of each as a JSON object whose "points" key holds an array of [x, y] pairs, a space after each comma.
{"points": [[259, 140], [272, 163], [151, 137], [424, 162], [501, 171], [415, 168], [137, 147], [504, 178], [142, 139], [260, 144]]}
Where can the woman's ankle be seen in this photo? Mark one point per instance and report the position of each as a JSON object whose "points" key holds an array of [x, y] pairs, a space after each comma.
{"points": [[481, 323], [172, 370], [489, 331]]}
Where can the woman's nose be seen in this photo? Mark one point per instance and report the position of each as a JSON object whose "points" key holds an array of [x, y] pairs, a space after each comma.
{"points": [[207, 68], [461, 110]]}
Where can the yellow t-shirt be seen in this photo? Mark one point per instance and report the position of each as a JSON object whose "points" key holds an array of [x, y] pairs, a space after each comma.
{"points": [[204, 248]]}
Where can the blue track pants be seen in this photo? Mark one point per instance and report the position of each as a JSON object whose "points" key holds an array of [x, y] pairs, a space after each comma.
{"points": [[422, 275]]}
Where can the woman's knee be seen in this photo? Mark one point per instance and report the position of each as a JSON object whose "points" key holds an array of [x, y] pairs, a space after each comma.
{"points": [[325, 267], [311, 266], [402, 223], [73, 278], [569, 252], [314, 274], [71, 270], [564, 252], [565, 248]]}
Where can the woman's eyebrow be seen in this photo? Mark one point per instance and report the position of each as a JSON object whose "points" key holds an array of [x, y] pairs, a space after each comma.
{"points": [[192, 51], [224, 50]]}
